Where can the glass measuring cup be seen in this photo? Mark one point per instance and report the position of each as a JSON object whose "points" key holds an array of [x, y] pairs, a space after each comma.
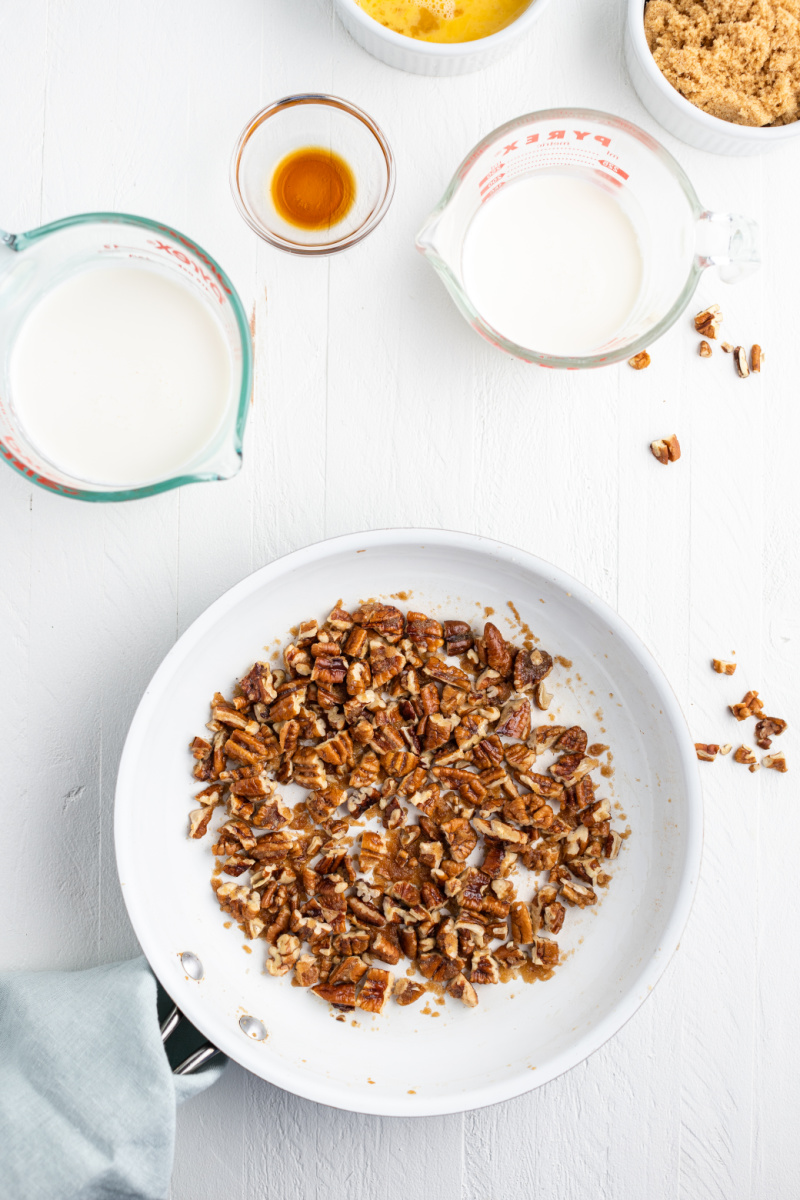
{"points": [[678, 238], [32, 264]]}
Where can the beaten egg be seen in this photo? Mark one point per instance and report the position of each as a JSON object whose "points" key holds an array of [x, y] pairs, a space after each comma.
{"points": [[445, 20]]}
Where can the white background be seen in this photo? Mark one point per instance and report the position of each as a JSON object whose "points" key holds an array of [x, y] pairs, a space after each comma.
{"points": [[376, 405]]}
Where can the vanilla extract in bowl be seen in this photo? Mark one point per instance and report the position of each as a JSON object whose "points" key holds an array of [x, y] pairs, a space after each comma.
{"points": [[313, 188]]}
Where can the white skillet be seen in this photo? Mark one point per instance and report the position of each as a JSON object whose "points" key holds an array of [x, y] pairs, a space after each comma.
{"points": [[408, 1062]]}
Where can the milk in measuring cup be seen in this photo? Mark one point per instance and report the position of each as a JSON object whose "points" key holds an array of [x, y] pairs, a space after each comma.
{"points": [[553, 263], [120, 375]]}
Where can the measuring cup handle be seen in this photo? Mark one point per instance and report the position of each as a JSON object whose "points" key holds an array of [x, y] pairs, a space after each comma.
{"points": [[729, 242]]}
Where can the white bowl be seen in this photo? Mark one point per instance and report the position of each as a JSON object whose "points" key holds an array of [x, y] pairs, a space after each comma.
{"points": [[682, 118], [433, 58], [405, 1062]]}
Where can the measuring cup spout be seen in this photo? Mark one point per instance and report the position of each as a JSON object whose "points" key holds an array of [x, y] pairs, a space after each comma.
{"points": [[729, 242], [426, 238]]}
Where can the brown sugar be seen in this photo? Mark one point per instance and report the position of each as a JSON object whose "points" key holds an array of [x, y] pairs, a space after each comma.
{"points": [[735, 59]]}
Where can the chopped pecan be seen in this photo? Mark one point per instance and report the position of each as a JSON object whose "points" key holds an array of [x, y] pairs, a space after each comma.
{"points": [[578, 894], [511, 955], [750, 705], [484, 968], [340, 618], [357, 644], [740, 362], [365, 912], [341, 995], [407, 991], [438, 669], [706, 752], [542, 785], [768, 728], [349, 970], [399, 763], [198, 821], [384, 619], [553, 916], [338, 750], [437, 968], [283, 954], [571, 768], [639, 361], [424, 632], [367, 771], [385, 663], [515, 719], [430, 853], [573, 741], [775, 762], [722, 667], [708, 321], [385, 948], [705, 350], [437, 731], [458, 637], [666, 450], [546, 953], [461, 989], [306, 971], [756, 358], [375, 990], [308, 769], [522, 930], [541, 696], [461, 838], [498, 651]]}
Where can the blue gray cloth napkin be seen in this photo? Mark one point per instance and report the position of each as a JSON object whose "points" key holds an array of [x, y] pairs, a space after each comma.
{"points": [[87, 1096]]}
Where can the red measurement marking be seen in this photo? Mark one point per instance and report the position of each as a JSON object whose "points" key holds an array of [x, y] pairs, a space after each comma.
{"points": [[617, 170]]}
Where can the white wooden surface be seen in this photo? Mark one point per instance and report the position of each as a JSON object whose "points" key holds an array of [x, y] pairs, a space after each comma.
{"points": [[376, 405]]}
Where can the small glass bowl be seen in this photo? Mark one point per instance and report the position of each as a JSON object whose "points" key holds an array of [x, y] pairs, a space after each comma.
{"points": [[312, 120]]}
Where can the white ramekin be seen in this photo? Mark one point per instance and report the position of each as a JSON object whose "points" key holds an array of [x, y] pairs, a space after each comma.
{"points": [[682, 118], [433, 58]]}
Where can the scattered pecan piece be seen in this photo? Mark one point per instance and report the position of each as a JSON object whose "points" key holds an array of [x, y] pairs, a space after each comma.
{"points": [[706, 753], [740, 362], [639, 361], [704, 349], [750, 705], [775, 762], [722, 667], [708, 321], [766, 729], [744, 754], [666, 450], [756, 359]]}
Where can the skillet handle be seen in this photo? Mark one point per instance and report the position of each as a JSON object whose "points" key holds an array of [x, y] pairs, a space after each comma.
{"points": [[195, 1060]]}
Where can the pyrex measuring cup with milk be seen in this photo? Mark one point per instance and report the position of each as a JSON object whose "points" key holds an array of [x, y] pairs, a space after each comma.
{"points": [[125, 359], [571, 238]]}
